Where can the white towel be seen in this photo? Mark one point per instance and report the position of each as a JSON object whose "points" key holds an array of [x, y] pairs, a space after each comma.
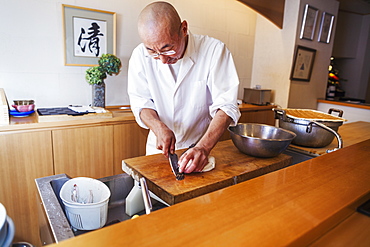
{"points": [[210, 166]]}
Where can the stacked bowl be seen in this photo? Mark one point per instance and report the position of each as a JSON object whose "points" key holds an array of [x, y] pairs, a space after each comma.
{"points": [[24, 105], [7, 228]]}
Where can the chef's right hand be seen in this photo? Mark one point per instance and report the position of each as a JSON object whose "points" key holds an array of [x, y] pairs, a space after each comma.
{"points": [[165, 137], [166, 140]]}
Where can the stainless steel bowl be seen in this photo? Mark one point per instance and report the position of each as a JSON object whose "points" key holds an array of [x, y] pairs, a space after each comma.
{"points": [[260, 140]]}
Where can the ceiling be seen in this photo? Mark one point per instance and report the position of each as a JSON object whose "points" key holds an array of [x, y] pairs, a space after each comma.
{"points": [[356, 6]]}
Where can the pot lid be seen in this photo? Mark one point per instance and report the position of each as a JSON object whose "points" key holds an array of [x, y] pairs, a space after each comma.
{"points": [[2, 215], [313, 115]]}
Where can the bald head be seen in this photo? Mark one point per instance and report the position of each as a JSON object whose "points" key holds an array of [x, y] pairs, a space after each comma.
{"points": [[158, 18]]}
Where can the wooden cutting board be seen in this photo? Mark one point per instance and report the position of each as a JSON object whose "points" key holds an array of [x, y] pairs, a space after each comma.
{"points": [[232, 167]]}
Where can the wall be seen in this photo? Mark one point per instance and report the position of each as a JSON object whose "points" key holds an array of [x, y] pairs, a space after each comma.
{"points": [[305, 94], [273, 53], [32, 58]]}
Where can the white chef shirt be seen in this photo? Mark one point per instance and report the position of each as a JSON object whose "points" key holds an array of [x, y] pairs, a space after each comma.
{"points": [[207, 81]]}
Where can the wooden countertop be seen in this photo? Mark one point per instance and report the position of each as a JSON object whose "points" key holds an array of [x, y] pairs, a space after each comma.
{"points": [[119, 115], [293, 206], [344, 103], [232, 167]]}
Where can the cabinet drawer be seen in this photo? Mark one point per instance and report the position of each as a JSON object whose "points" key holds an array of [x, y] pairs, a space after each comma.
{"points": [[84, 152]]}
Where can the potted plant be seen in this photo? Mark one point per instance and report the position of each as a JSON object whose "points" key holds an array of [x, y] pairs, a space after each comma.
{"points": [[108, 64]]}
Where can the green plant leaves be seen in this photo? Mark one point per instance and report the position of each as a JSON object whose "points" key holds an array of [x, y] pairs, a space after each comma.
{"points": [[95, 75], [108, 64]]}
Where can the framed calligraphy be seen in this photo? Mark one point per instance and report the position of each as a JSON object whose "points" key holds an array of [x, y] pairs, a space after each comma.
{"points": [[326, 26], [303, 64], [88, 33], [309, 22]]}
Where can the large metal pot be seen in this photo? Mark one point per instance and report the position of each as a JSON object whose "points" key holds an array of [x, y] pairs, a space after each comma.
{"points": [[313, 128]]}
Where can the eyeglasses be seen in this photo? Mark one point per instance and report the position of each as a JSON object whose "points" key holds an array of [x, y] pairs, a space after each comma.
{"points": [[165, 53]]}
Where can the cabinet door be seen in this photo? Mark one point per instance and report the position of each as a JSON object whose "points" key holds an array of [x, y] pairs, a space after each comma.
{"points": [[84, 152], [23, 158], [262, 117], [129, 141]]}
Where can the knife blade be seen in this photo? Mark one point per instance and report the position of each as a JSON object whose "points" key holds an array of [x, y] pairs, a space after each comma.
{"points": [[175, 166]]}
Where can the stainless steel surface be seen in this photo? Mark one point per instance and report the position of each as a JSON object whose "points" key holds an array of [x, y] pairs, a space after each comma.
{"points": [[56, 226], [173, 159], [299, 155], [257, 96], [310, 133], [336, 134], [260, 140]]}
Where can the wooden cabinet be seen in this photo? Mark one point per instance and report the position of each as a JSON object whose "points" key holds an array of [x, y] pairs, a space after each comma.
{"points": [[129, 141], [272, 10], [258, 116], [84, 152], [23, 157]]}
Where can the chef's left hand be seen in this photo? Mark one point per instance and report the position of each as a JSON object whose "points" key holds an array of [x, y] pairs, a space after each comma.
{"points": [[193, 160]]}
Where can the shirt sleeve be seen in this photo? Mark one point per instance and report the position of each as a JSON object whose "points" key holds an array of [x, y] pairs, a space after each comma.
{"points": [[224, 83], [138, 91]]}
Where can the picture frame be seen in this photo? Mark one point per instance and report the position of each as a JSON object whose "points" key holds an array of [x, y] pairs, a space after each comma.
{"points": [[303, 64], [88, 33], [326, 27], [309, 22]]}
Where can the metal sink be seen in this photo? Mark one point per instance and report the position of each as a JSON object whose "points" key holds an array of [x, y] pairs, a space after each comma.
{"points": [[54, 225], [299, 155]]}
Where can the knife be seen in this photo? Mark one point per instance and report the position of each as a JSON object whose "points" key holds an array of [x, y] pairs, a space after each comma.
{"points": [[175, 166], [174, 160]]}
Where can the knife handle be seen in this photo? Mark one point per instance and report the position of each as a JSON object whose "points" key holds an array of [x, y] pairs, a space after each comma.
{"points": [[191, 146]]}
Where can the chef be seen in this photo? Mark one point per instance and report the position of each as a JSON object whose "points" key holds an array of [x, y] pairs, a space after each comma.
{"points": [[182, 86]]}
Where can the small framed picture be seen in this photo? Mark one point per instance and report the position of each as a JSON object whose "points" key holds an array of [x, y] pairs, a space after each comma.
{"points": [[309, 22], [326, 27], [88, 33], [303, 64]]}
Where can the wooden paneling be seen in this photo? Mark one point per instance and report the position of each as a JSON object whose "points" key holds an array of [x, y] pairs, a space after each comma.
{"points": [[84, 152], [129, 141], [272, 10], [23, 158], [262, 117], [353, 231]]}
